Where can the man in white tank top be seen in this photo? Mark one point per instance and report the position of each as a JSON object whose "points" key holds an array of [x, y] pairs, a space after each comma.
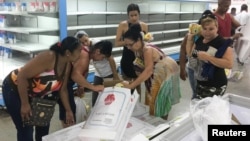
{"points": [[105, 68]]}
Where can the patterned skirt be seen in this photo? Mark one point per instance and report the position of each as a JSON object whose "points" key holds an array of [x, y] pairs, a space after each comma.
{"points": [[164, 88]]}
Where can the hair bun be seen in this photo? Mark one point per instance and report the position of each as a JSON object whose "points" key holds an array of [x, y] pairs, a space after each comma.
{"points": [[136, 28]]}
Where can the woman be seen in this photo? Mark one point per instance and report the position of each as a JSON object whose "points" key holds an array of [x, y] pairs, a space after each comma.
{"points": [[159, 72], [105, 68], [187, 70], [213, 54], [128, 73], [45, 73], [99, 51]]}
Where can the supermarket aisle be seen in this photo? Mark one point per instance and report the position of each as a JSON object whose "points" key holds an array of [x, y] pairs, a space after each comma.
{"points": [[7, 130]]}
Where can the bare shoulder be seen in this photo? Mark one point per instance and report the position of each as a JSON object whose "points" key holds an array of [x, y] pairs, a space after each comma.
{"points": [[46, 56], [148, 48], [144, 26], [143, 23], [123, 24], [84, 58], [42, 62]]}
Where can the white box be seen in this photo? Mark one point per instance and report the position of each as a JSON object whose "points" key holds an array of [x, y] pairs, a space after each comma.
{"points": [[134, 127], [109, 117], [106, 122]]}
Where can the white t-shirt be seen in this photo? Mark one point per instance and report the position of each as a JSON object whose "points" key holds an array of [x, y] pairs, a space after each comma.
{"points": [[243, 18], [102, 66]]}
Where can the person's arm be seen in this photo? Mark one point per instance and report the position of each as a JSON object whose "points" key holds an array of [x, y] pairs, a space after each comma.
{"points": [[235, 24], [144, 27], [190, 45], [225, 62], [42, 62], [147, 72], [113, 67], [79, 68], [64, 96], [182, 59], [119, 32]]}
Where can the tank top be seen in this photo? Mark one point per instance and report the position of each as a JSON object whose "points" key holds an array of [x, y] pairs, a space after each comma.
{"points": [[225, 25], [127, 59], [41, 84]]}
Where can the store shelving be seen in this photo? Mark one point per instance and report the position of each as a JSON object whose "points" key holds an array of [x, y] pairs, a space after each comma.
{"points": [[35, 30]]}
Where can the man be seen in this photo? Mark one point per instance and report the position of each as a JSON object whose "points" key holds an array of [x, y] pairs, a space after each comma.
{"points": [[233, 11], [223, 17], [243, 17], [225, 26]]}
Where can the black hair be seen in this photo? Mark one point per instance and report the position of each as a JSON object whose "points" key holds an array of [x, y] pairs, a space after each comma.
{"points": [[105, 47], [244, 7], [133, 7], [204, 14], [134, 32], [69, 43]]}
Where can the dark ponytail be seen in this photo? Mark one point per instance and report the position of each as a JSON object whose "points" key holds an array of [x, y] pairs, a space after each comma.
{"points": [[134, 32], [68, 43]]}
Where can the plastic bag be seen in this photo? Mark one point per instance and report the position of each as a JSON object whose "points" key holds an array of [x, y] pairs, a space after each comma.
{"points": [[81, 110], [210, 110]]}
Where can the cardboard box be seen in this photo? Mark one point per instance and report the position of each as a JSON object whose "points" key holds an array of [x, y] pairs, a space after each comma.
{"points": [[110, 115]]}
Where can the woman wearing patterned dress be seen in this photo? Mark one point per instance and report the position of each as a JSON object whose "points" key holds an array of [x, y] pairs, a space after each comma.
{"points": [[158, 71]]}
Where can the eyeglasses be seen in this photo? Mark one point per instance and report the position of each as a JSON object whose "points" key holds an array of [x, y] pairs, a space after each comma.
{"points": [[130, 45], [208, 16]]}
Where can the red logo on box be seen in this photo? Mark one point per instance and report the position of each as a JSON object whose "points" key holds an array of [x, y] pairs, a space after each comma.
{"points": [[109, 99]]}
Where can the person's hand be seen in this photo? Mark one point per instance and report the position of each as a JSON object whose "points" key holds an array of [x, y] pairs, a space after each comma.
{"points": [[190, 37], [26, 112], [69, 118], [79, 92], [125, 84], [116, 77], [202, 55], [237, 36], [98, 88], [183, 75]]}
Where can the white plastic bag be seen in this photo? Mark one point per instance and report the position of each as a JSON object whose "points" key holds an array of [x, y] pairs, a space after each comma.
{"points": [[81, 110], [210, 110]]}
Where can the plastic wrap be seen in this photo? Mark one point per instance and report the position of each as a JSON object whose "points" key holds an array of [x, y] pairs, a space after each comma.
{"points": [[210, 110], [81, 110]]}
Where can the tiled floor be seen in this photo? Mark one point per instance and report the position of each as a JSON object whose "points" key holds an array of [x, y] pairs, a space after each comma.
{"points": [[7, 129]]}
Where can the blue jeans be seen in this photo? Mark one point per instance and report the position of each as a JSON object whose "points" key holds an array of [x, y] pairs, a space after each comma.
{"points": [[13, 104], [192, 82]]}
